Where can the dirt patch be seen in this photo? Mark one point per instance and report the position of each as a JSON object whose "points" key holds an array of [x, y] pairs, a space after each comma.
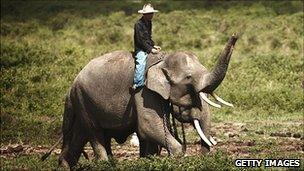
{"points": [[286, 134], [232, 144]]}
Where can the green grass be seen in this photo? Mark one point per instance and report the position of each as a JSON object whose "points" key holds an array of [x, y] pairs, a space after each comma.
{"points": [[218, 161], [153, 163], [44, 44]]}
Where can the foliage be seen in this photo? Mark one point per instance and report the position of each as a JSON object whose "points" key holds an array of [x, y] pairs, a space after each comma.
{"points": [[212, 162], [218, 160]]}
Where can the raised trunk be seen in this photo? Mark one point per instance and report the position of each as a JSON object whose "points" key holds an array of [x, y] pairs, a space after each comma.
{"points": [[214, 78]]}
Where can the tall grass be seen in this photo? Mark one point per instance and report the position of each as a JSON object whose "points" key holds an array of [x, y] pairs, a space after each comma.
{"points": [[44, 44]]}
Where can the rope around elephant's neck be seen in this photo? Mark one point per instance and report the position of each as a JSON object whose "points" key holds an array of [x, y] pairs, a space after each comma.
{"points": [[165, 126], [184, 138], [165, 122]]}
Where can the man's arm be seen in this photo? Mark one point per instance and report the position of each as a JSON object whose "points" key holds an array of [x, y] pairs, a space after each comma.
{"points": [[141, 39]]}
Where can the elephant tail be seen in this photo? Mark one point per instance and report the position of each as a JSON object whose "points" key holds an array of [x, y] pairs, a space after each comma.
{"points": [[46, 155]]}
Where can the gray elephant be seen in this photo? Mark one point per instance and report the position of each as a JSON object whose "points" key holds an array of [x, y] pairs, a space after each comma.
{"points": [[100, 106]]}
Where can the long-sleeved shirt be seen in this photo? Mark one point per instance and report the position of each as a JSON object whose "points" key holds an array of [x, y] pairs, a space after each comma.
{"points": [[143, 36]]}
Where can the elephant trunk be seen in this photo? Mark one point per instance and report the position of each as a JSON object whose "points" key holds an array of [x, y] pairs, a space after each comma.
{"points": [[213, 79]]}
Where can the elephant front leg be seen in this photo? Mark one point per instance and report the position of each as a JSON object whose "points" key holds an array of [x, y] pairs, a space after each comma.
{"points": [[151, 126], [155, 134]]}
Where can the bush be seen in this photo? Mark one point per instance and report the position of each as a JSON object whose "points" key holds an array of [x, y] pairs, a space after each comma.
{"points": [[15, 54]]}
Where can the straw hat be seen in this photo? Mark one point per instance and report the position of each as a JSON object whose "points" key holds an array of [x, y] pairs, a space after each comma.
{"points": [[147, 8]]}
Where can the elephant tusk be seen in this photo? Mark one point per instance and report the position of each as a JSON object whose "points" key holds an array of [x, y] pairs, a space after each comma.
{"points": [[201, 133], [212, 140], [205, 98], [221, 100]]}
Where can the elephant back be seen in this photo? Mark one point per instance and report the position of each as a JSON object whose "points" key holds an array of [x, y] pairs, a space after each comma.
{"points": [[105, 83], [108, 68]]}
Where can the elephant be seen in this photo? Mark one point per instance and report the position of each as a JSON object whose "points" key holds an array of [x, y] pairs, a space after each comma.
{"points": [[100, 106]]}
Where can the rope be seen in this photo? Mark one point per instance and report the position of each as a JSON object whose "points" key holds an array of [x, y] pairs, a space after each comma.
{"points": [[175, 131], [184, 139], [165, 126], [170, 126]]}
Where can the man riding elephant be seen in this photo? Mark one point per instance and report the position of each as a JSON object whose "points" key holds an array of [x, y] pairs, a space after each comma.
{"points": [[143, 43], [99, 106]]}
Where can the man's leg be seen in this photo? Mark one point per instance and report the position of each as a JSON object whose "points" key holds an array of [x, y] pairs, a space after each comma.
{"points": [[139, 75]]}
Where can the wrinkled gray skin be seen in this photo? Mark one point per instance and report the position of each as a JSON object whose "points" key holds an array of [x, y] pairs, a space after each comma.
{"points": [[99, 105]]}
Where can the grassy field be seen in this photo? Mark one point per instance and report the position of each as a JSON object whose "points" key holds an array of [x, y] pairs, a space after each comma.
{"points": [[44, 44]]}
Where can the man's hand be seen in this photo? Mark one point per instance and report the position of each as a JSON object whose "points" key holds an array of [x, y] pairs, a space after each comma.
{"points": [[157, 47], [155, 51]]}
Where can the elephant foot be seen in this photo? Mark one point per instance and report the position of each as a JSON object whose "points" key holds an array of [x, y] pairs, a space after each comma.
{"points": [[99, 150], [177, 150], [62, 163], [101, 155]]}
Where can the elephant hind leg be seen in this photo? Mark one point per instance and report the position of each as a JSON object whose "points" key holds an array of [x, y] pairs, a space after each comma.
{"points": [[99, 150], [62, 162], [70, 153], [101, 145], [108, 146]]}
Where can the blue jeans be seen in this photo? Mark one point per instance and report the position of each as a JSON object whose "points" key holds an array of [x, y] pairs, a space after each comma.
{"points": [[139, 74]]}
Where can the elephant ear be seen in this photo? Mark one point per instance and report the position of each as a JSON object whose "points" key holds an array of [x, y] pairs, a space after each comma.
{"points": [[157, 81]]}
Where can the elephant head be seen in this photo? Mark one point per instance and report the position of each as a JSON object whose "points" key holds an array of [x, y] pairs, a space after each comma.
{"points": [[186, 83]]}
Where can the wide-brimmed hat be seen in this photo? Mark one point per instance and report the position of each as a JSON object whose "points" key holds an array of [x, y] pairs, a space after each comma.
{"points": [[147, 8]]}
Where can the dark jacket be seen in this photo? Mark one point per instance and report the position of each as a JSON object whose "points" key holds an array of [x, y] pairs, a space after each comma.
{"points": [[142, 36]]}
